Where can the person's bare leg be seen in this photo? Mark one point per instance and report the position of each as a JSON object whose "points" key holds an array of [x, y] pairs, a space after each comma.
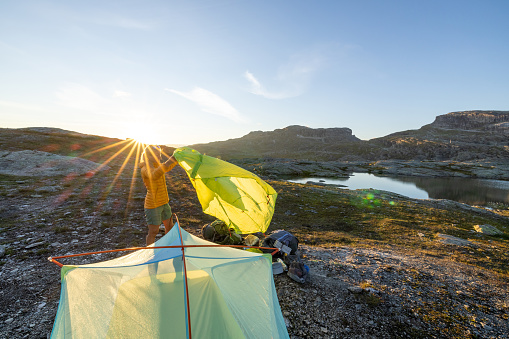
{"points": [[152, 232], [168, 225]]}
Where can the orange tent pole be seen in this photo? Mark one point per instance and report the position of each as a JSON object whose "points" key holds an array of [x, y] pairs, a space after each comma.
{"points": [[185, 275]]}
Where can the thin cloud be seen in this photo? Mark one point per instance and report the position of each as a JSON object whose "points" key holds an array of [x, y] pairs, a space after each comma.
{"points": [[258, 89], [120, 94], [98, 100], [293, 77], [210, 103]]}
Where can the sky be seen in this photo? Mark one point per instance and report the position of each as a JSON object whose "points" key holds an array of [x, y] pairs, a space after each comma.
{"points": [[197, 71]]}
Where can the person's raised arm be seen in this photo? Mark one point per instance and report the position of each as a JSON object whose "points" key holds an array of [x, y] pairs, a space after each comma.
{"points": [[169, 164]]}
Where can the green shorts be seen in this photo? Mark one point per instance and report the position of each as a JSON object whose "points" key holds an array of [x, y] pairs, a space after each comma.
{"points": [[155, 216]]}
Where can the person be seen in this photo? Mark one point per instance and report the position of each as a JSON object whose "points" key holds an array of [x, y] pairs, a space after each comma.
{"points": [[157, 208]]}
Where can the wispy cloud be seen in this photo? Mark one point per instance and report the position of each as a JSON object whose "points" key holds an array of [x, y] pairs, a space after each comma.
{"points": [[258, 89], [211, 103], [292, 78], [97, 99], [120, 94]]}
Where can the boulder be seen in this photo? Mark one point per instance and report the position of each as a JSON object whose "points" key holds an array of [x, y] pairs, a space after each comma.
{"points": [[37, 163], [451, 240], [488, 229]]}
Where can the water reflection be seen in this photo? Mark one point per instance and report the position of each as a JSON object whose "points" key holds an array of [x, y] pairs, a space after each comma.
{"points": [[470, 191], [466, 190]]}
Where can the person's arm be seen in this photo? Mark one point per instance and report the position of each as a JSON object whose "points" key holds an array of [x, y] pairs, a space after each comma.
{"points": [[169, 164], [154, 173]]}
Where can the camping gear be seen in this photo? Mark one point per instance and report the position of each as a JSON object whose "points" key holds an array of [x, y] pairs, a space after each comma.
{"points": [[298, 272], [230, 193], [286, 242], [277, 268], [252, 240], [189, 288], [218, 232]]}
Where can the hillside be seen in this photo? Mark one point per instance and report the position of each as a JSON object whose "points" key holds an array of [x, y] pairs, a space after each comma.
{"points": [[458, 136], [296, 142], [458, 144]]}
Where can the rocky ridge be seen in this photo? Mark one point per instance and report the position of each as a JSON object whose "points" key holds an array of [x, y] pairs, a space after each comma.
{"points": [[457, 136], [474, 120]]}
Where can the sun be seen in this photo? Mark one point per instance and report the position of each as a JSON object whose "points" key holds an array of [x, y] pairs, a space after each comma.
{"points": [[143, 134]]}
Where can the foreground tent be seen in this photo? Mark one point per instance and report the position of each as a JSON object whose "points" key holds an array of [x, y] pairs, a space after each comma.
{"points": [[228, 192], [189, 290]]}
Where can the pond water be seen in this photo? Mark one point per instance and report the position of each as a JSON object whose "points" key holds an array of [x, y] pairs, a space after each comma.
{"points": [[466, 190]]}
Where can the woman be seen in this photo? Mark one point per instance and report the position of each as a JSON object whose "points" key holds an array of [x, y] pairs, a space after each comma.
{"points": [[157, 209]]}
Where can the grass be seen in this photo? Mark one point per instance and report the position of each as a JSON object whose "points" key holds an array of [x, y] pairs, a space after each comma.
{"points": [[332, 217]]}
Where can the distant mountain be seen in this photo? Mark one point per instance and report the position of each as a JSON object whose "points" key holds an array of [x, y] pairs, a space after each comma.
{"points": [[290, 142], [461, 136], [474, 121], [456, 136]]}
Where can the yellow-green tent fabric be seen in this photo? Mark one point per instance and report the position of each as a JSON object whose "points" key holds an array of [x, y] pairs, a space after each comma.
{"points": [[143, 295], [230, 193]]}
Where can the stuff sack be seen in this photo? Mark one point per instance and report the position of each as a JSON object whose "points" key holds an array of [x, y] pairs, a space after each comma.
{"points": [[298, 272], [286, 242], [219, 232]]}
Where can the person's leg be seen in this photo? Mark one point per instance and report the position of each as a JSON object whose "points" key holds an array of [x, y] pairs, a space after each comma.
{"points": [[167, 217], [152, 232], [153, 217], [168, 225]]}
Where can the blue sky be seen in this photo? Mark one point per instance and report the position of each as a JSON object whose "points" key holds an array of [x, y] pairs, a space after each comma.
{"points": [[184, 72]]}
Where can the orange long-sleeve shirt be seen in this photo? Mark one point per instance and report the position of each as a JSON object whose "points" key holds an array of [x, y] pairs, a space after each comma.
{"points": [[155, 182]]}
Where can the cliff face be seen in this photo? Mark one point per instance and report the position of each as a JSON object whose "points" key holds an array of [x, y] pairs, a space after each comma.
{"points": [[474, 120], [295, 132]]}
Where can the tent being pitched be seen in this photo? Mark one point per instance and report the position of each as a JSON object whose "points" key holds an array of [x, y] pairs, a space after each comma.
{"points": [[228, 192], [230, 292]]}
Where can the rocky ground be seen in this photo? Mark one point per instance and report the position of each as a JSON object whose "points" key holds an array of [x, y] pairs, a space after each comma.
{"points": [[482, 169], [368, 293], [360, 286]]}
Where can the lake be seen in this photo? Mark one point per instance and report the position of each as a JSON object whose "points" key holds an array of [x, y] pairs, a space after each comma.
{"points": [[466, 190]]}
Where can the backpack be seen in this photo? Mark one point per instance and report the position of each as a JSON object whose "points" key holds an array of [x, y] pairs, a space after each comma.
{"points": [[286, 242]]}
